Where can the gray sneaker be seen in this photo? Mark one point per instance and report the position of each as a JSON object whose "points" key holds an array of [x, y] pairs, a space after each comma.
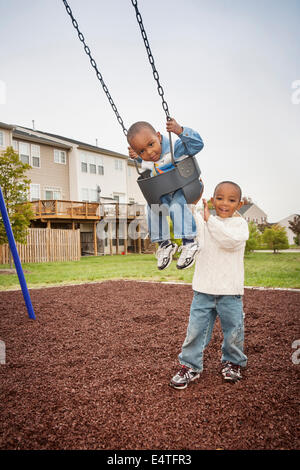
{"points": [[184, 376], [188, 255], [164, 255], [231, 372]]}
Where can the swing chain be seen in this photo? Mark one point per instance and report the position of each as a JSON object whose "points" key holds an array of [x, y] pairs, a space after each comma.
{"points": [[100, 78], [151, 59], [155, 72], [94, 65]]}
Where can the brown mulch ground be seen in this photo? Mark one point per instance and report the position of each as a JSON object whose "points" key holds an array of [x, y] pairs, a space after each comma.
{"points": [[92, 372]]}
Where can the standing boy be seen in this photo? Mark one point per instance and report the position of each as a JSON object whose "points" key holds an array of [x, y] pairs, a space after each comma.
{"points": [[218, 285]]}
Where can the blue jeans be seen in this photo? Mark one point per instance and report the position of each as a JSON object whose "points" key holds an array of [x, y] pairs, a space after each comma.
{"points": [[203, 313], [175, 206]]}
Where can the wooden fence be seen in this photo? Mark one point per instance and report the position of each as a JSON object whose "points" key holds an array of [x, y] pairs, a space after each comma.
{"points": [[46, 245]]}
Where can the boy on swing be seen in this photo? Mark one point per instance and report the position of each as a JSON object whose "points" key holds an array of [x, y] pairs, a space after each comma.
{"points": [[153, 149]]}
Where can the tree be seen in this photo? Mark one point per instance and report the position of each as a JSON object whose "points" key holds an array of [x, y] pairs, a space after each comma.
{"points": [[15, 188], [246, 200], [254, 238], [275, 238], [294, 225]]}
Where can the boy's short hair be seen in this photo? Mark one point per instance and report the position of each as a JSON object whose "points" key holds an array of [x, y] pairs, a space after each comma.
{"points": [[230, 182], [137, 127]]}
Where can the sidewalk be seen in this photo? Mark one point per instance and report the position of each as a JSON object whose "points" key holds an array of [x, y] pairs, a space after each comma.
{"points": [[296, 250]]}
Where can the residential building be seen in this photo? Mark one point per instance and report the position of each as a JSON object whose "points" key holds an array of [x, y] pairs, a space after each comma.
{"points": [[5, 135], [285, 223], [50, 165], [252, 213], [68, 169]]}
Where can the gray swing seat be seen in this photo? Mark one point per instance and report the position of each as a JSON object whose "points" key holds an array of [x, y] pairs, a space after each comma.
{"points": [[184, 176]]}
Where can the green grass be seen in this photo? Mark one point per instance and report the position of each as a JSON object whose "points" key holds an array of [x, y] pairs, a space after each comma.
{"points": [[273, 270], [261, 269]]}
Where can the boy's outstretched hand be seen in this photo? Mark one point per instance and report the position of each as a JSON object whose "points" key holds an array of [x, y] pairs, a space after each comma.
{"points": [[173, 126], [206, 210]]}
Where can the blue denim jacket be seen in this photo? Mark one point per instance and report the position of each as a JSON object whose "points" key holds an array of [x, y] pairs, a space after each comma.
{"points": [[188, 143]]}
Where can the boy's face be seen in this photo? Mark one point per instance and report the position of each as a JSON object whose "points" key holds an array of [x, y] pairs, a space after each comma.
{"points": [[226, 200], [147, 145]]}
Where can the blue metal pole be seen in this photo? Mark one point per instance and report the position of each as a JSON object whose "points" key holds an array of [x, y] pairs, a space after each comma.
{"points": [[14, 251]]}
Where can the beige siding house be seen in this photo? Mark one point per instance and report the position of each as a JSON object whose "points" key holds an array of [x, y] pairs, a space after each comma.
{"points": [[252, 213], [67, 169], [95, 173], [5, 136], [70, 178], [49, 160]]}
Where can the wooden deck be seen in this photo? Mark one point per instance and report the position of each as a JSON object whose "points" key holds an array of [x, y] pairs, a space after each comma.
{"points": [[115, 214], [85, 211]]}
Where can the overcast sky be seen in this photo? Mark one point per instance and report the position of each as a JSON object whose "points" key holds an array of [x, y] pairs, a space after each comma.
{"points": [[227, 67]]}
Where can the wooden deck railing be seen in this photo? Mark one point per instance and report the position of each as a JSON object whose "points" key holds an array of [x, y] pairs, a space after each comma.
{"points": [[55, 209], [58, 209], [122, 211]]}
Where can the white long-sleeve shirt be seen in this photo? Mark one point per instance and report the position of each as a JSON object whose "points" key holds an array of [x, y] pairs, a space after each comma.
{"points": [[219, 268]]}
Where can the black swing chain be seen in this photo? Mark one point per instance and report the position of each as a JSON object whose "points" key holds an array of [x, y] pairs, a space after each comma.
{"points": [[155, 72], [94, 65], [100, 78], [151, 59]]}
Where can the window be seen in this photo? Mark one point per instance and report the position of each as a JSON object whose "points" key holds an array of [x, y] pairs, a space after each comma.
{"points": [[84, 167], [85, 194], [34, 192], [24, 152], [118, 164], [93, 168], [83, 162], [91, 163], [52, 193], [35, 156], [119, 197], [1, 139], [60, 156], [94, 195], [28, 153], [99, 161]]}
